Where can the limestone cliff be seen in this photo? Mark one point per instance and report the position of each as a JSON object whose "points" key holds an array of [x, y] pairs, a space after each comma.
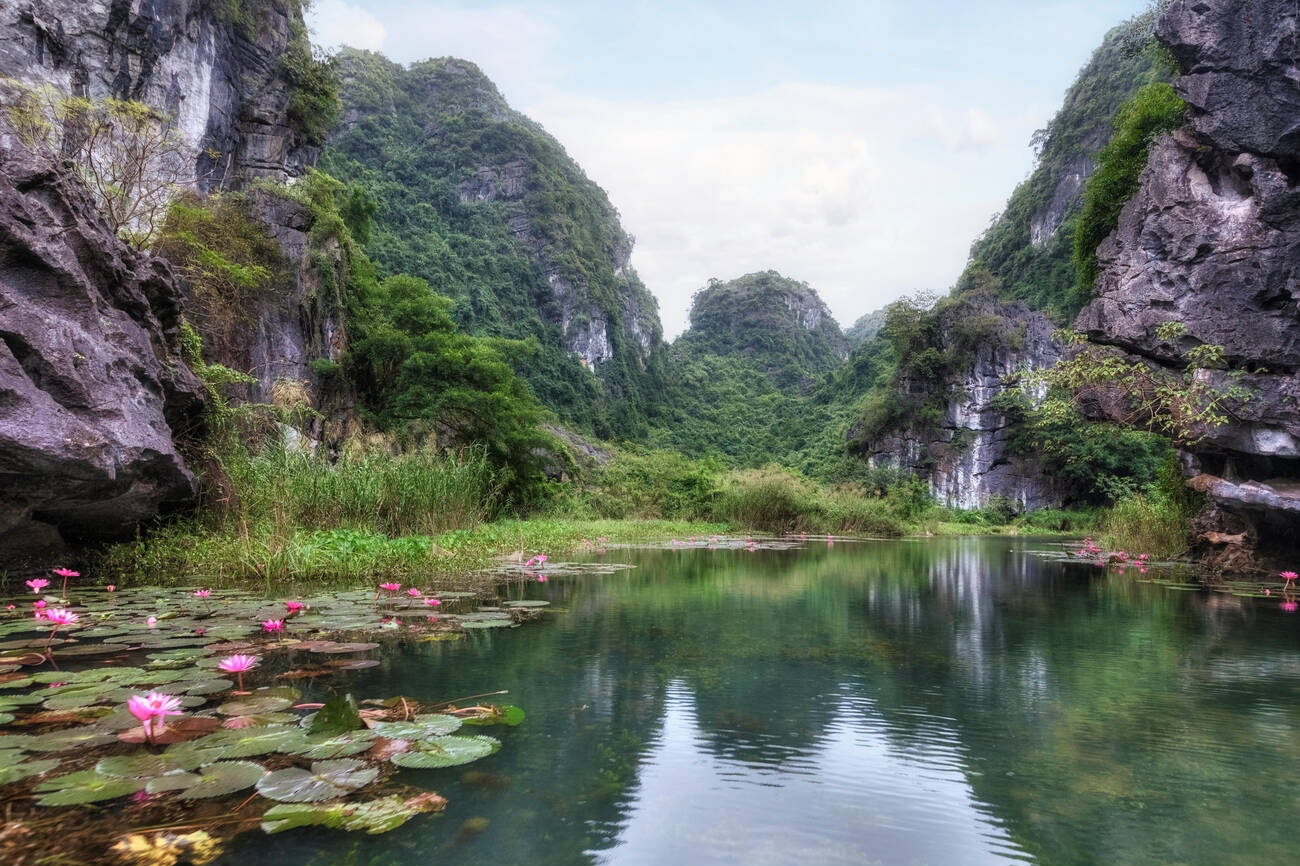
{"points": [[93, 394], [1212, 241], [944, 422], [487, 207]]}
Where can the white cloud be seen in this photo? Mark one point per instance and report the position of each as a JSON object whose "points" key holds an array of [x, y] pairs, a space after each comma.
{"points": [[866, 194], [513, 45], [334, 23]]}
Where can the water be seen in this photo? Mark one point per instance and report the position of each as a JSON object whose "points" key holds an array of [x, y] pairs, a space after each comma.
{"points": [[912, 702]]}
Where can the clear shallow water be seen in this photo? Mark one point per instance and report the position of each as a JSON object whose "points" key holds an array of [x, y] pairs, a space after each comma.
{"points": [[951, 701]]}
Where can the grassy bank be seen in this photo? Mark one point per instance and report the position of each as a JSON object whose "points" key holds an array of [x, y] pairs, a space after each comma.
{"points": [[280, 517]]}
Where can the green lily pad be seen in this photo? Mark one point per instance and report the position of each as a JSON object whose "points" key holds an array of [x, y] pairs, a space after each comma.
{"points": [[143, 765], [506, 714], [254, 703], [325, 780], [15, 772], [70, 738], [210, 687], [534, 602], [374, 816], [488, 623], [85, 786], [221, 779], [422, 727], [335, 746], [249, 742], [446, 752]]}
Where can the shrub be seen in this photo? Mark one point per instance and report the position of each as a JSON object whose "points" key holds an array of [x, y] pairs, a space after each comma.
{"points": [[1153, 110]]}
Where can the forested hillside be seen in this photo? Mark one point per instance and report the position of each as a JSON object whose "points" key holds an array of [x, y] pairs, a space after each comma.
{"points": [[1027, 253], [448, 184]]}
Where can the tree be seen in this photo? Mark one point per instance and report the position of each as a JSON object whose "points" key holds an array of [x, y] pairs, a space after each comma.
{"points": [[128, 155]]}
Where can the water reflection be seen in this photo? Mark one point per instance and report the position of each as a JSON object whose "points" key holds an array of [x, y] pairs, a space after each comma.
{"points": [[946, 702]]}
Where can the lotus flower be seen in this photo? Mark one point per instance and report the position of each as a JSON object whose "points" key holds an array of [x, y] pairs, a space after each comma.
{"points": [[272, 625], [202, 593], [111, 588], [391, 587], [237, 664], [38, 584], [1288, 576], [432, 602], [61, 616], [413, 592], [152, 711], [294, 607], [67, 572]]}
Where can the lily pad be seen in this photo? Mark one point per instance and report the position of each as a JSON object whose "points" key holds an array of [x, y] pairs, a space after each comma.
{"points": [[336, 746], [374, 817], [527, 602], [422, 727], [249, 742], [15, 772], [70, 738], [143, 765], [254, 703], [214, 780], [210, 687], [446, 752], [506, 714], [325, 780], [85, 786]]}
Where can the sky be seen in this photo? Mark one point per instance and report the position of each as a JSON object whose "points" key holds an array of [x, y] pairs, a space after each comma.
{"points": [[859, 146]]}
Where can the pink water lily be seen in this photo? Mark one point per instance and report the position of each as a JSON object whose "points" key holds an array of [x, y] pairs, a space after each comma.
{"points": [[413, 592], [67, 572], [152, 711], [432, 602], [61, 616], [272, 625], [237, 664], [38, 584], [111, 588], [391, 587], [202, 593], [1288, 576]]}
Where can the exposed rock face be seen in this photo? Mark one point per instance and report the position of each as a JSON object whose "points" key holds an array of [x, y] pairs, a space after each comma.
{"points": [[966, 458], [224, 88], [517, 173], [92, 388], [1212, 240]]}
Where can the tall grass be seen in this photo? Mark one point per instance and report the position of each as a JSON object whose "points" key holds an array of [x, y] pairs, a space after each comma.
{"points": [[775, 500], [1147, 522], [421, 493]]}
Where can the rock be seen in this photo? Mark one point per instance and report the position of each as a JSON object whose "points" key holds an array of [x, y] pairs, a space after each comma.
{"points": [[92, 389], [1212, 241], [966, 459]]}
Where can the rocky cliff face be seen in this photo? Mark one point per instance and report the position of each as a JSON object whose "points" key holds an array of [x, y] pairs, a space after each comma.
{"points": [[92, 391], [221, 82], [959, 440], [1212, 241], [488, 208]]}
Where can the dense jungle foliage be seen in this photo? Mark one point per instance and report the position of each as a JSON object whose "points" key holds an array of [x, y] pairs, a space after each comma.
{"points": [[482, 204], [1028, 251]]}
